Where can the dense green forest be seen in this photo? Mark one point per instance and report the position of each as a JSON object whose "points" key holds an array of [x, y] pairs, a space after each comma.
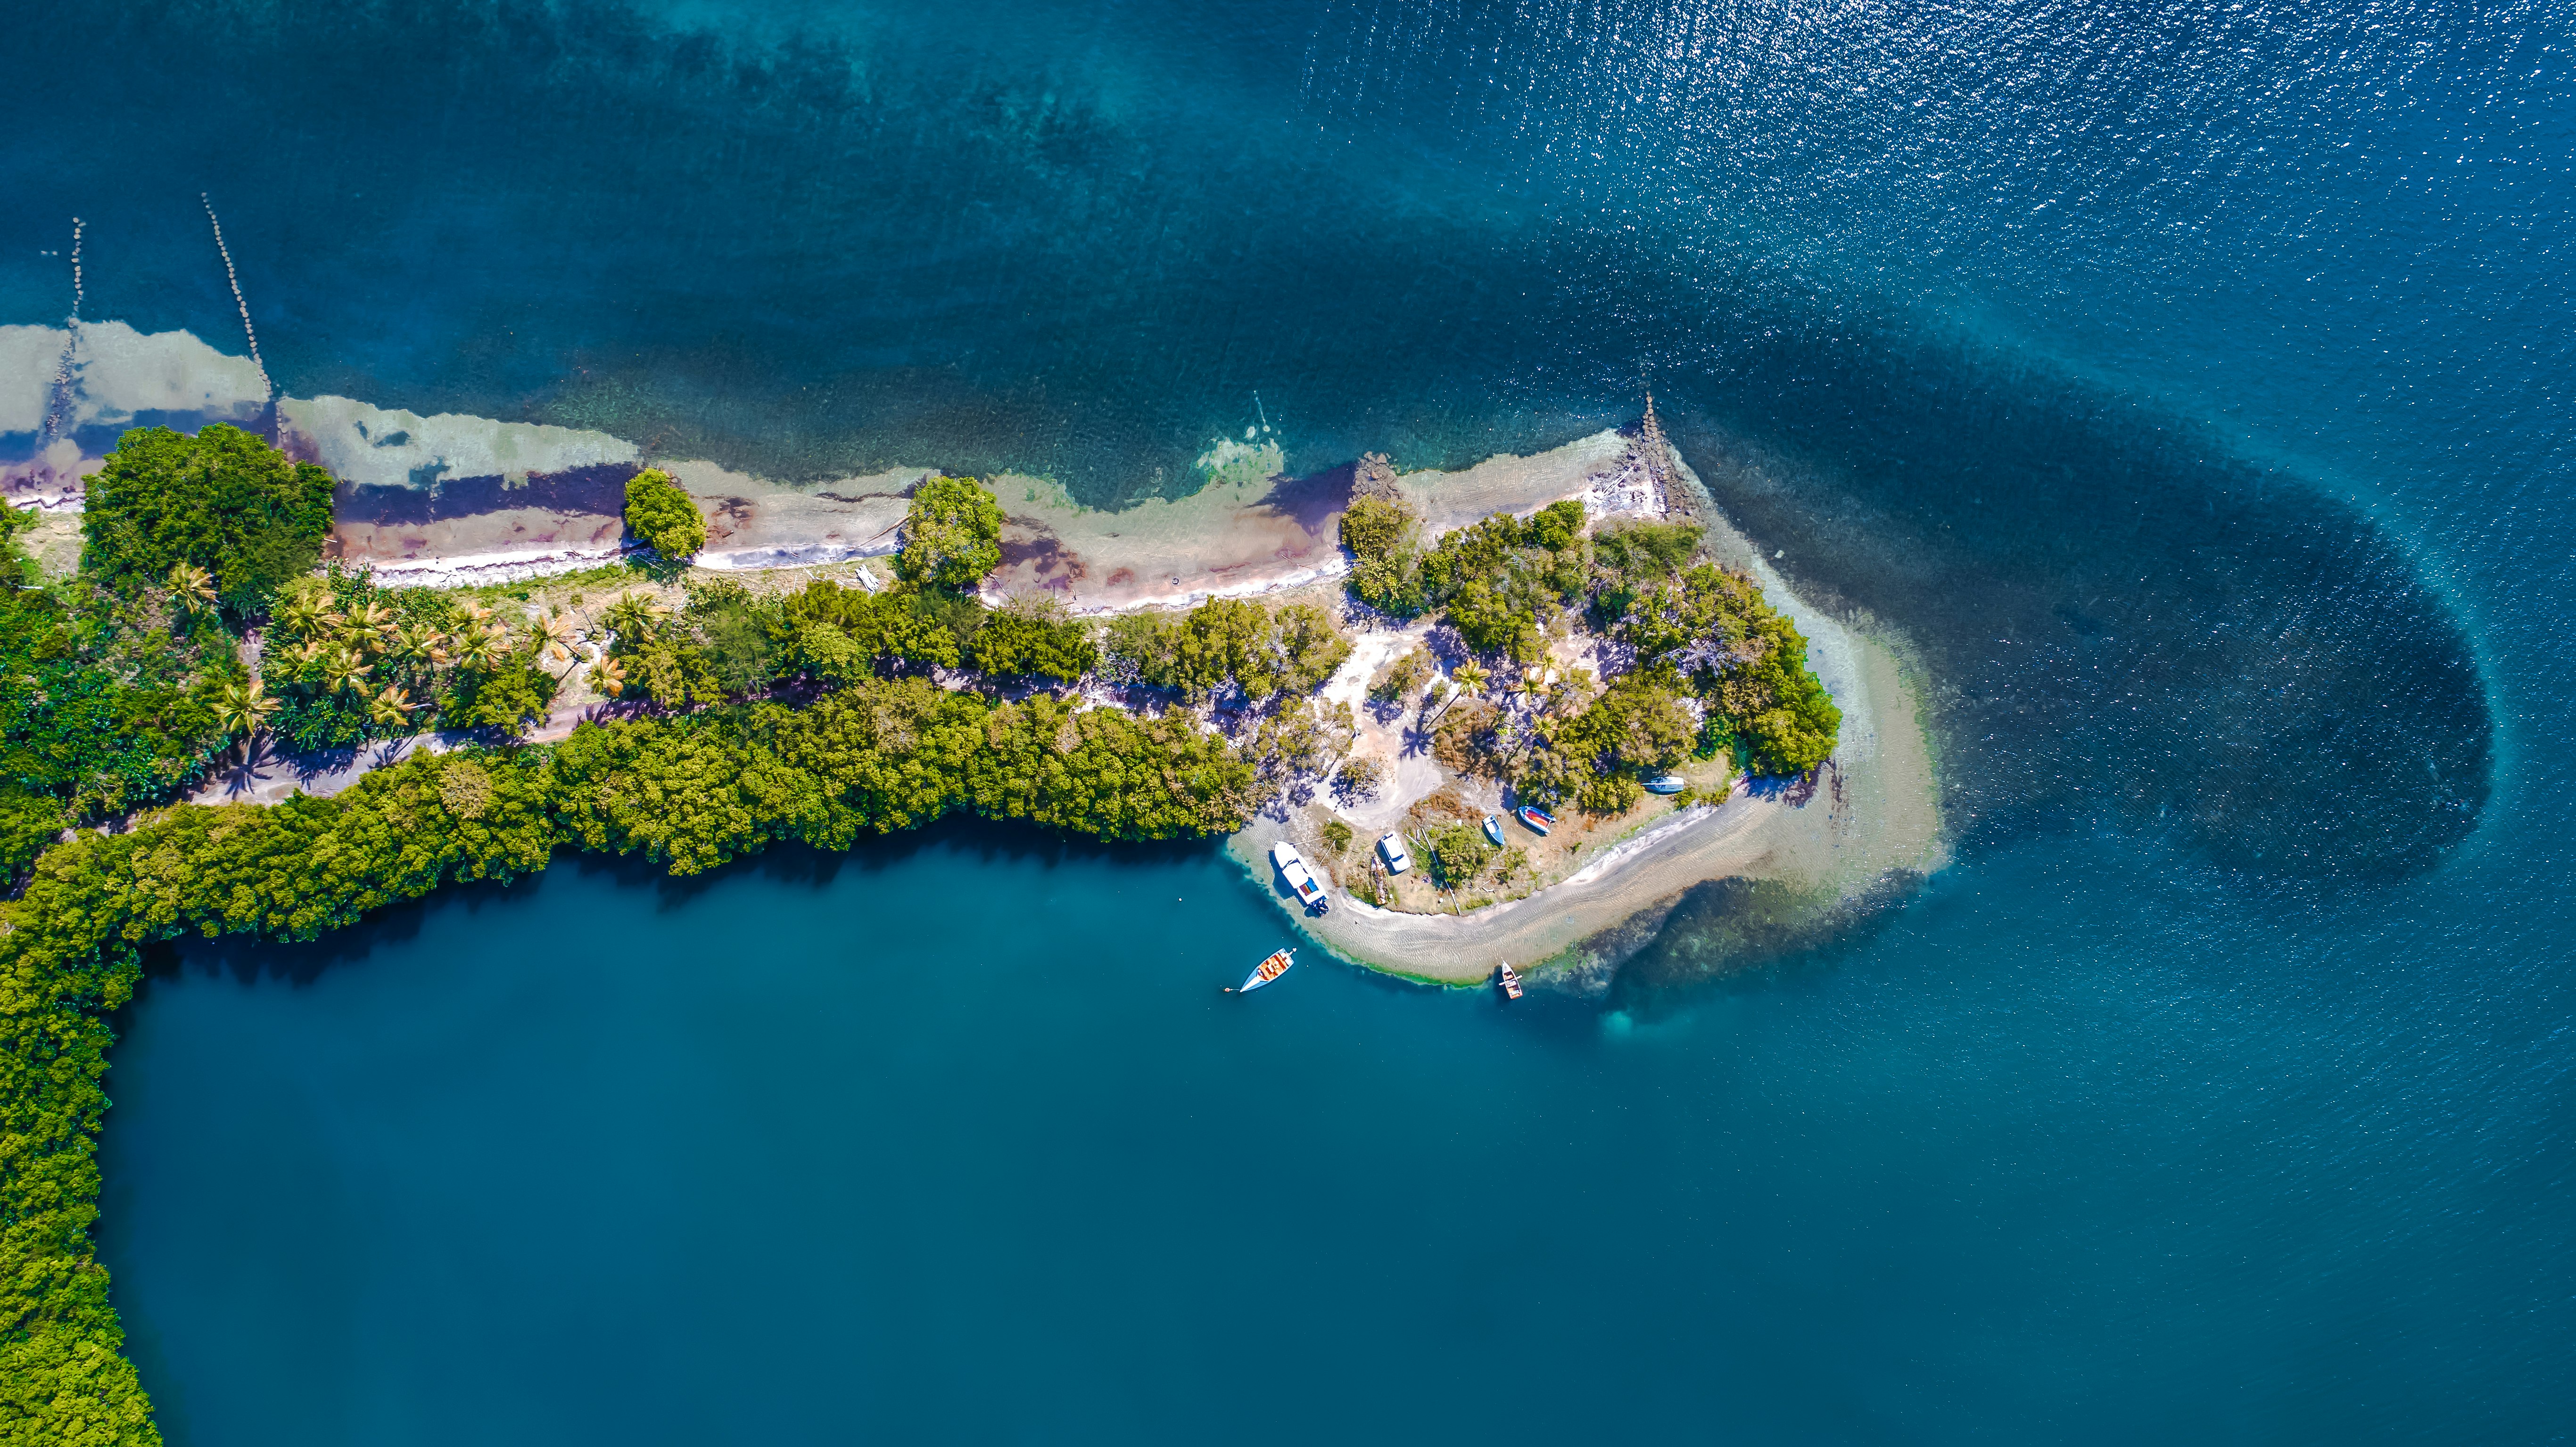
{"points": [[115, 683]]}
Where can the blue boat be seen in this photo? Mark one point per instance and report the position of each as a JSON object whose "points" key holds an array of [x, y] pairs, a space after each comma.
{"points": [[1494, 827], [1536, 818], [1666, 784]]}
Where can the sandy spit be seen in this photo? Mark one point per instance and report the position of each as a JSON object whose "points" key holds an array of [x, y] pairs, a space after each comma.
{"points": [[1873, 810]]}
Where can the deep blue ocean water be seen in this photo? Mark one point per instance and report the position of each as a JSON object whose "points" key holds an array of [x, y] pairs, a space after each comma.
{"points": [[2189, 384]]}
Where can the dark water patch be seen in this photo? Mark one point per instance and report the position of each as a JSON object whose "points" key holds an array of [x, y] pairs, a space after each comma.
{"points": [[2120, 620], [1723, 929], [1315, 500], [599, 488]]}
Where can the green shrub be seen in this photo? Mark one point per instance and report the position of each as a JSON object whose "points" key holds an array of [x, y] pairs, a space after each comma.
{"points": [[843, 635], [1227, 642], [951, 535], [1500, 580], [1746, 661], [104, 700], [1403, 678], [1458, 853], [661, 515]]}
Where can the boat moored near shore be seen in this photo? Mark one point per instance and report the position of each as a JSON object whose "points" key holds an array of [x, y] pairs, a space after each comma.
{"points": [[1262, 974]]}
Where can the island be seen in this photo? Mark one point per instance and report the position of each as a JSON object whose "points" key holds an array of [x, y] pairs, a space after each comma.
{"points": [[242, 701]]}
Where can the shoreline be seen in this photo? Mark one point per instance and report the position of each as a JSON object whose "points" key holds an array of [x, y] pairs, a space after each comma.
{"points": [[1873, 811], [548, 512]]}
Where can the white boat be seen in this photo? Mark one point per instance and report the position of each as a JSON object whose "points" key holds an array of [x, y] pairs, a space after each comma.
{"points": [[1292, 867], [1265, 972], [1397, 861], [1511, 982]]}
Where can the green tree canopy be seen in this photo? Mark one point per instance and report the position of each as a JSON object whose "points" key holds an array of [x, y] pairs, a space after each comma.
{"points": [[1228, 641], [1384, 536], [951, 535], [1035, 639], [223, 500], [1502, 578], [661, 515]]}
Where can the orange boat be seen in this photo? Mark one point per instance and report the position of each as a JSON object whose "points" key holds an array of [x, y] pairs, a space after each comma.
{"points": [[1265, 972]]}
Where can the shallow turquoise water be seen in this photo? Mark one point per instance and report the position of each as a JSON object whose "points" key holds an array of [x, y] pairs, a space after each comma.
{"points": [[2189, 383]]}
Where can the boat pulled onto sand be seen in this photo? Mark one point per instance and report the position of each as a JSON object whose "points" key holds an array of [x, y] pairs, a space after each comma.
{"points": [[1292, 868]]}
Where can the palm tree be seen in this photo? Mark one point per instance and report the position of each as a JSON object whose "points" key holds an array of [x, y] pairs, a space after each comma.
{"points": [[392, 708], [308, 653], [418, 640], [609, 677], [342, 670], [373, 624], [1469, 675], [632, 616], [557, 630], [193, 588], [302, 611], [242, 708], [482, 649]]}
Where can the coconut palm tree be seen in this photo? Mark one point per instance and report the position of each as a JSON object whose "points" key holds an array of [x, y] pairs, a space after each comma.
{"points": [[309, 652], [417, 641], [1469, 675], [344, 670], [482, 649], [373, 624], [609, 677], [193, 588], [302, 612], [632, 616], [392, 708], [242, 707], [556, 628]]}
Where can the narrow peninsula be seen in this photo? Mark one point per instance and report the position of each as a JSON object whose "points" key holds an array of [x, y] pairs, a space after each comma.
{"points": [[244, 697]]}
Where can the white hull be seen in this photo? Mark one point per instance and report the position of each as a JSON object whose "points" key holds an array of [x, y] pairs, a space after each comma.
{"points": [[1263, 974]]}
